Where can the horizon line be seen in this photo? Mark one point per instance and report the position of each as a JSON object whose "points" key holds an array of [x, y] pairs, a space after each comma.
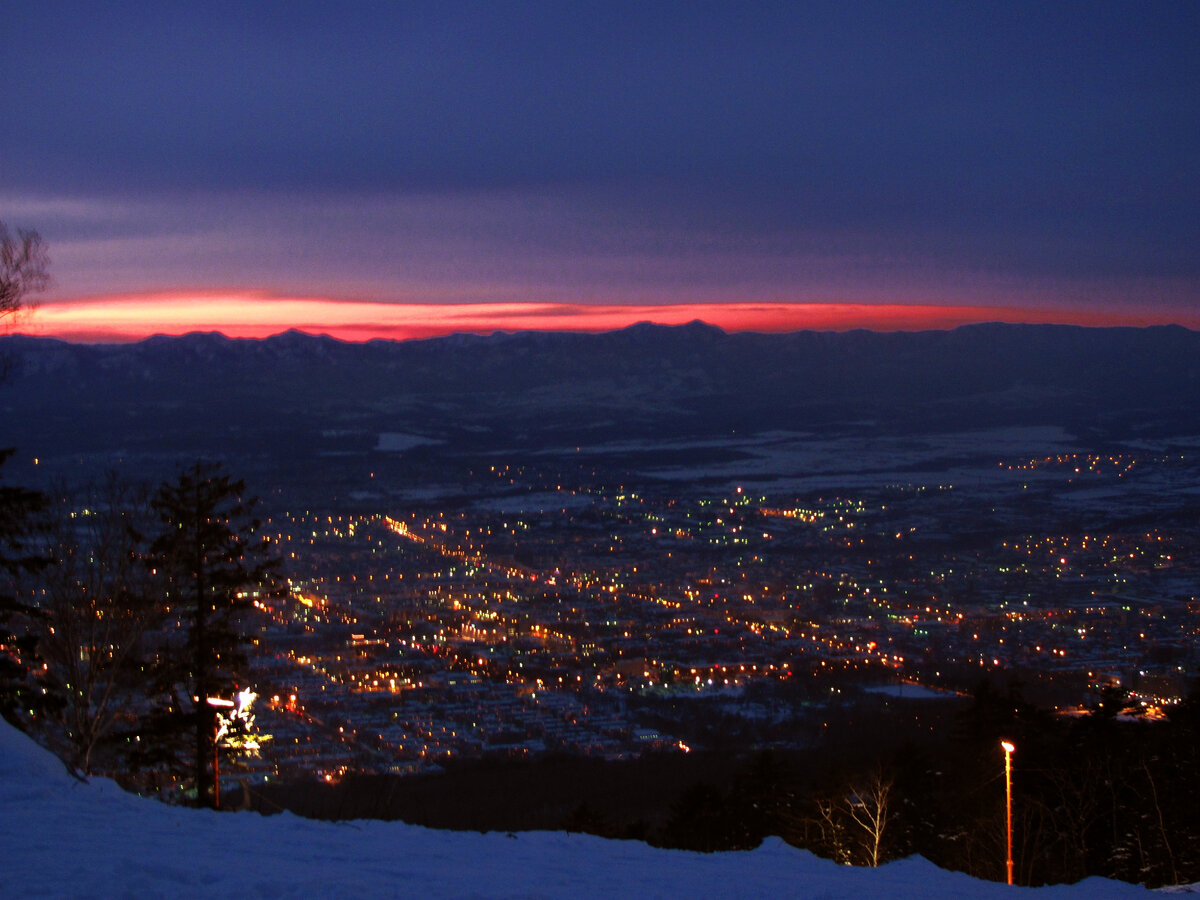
{"points": [[130, 318]]}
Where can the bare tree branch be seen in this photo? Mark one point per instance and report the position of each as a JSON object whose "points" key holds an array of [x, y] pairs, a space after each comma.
{"points": [[24, 268], [96, 598]]}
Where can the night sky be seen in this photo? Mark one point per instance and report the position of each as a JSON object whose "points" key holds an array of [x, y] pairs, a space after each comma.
{"points": [[384, 168]]}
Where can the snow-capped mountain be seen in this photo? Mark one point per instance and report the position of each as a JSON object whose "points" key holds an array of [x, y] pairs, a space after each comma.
{"points": [[646, 380]]}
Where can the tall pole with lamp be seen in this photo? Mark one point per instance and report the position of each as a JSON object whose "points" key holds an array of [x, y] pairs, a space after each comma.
{"points": [[219, 703], [1008, 748]]}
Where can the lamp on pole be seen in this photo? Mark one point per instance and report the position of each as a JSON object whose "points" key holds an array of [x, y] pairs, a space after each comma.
{"points": [[1008, 748], [219, 703]]}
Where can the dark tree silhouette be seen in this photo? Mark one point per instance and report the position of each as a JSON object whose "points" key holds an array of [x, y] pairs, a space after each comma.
{"points": [[212, 562], [24, 268], [21, 693], [96, 598]]}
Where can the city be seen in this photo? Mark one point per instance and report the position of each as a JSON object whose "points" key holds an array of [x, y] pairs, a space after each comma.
{"points": [[600, 613], [692, 617], [588, 450]]}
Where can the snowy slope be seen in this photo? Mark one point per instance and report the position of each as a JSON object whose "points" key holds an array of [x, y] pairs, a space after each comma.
{"points": [[64, 838]]}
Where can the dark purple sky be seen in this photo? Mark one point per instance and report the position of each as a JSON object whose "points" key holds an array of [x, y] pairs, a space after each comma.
{"points": [[1039, 154]]}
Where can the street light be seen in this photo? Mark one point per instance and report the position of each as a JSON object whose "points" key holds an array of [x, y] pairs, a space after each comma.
{"points": [[1008, 748], [218, 703]]}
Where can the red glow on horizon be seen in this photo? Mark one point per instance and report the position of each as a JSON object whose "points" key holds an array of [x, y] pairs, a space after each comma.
{"points": [[254, 315]]}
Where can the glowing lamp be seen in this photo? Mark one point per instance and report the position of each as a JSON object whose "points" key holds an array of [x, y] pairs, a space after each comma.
{"points": [[1008, 747]]}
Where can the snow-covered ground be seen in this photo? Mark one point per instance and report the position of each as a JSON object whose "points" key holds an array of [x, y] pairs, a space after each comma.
{"points": [[911, 691], [65, 838]]}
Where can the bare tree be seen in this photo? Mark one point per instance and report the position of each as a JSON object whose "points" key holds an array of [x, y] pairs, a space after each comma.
{"points": [[96, 600], [832, 825], [868, 808], [24, 268], [853, 822]]}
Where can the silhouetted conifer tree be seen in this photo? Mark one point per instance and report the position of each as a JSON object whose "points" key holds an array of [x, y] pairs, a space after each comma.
{"points": [[212, 562], [21, 693]]}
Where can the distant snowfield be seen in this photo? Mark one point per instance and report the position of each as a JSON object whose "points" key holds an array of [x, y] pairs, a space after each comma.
{"points": [[533, 503], [398, 441], [911, 692], [794, 461], [63, 838]]}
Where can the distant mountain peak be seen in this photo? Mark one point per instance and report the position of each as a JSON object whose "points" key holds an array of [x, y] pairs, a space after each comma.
{"points": [[693, 328]]}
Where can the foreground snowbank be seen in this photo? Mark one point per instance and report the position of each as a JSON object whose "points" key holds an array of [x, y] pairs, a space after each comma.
{"points": [[62, 837]]}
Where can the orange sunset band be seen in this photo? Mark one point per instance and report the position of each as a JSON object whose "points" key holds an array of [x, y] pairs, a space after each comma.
{"points": [[255, 315]]}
